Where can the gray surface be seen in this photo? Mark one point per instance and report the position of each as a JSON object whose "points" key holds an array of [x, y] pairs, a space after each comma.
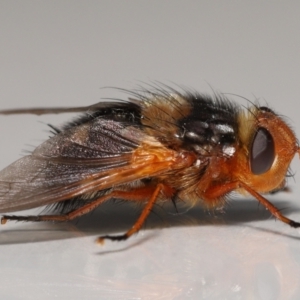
{"points": [[60, 53]]}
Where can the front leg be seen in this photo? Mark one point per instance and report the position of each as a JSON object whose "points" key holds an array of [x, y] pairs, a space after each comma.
{"points": [[214, 193]]}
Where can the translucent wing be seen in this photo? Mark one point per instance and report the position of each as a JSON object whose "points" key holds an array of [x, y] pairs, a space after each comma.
{"points": [[59, 110], [82, 159]]}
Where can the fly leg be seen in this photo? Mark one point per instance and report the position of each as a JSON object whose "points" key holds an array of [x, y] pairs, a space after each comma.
{"points": [[271, 207], [139, 195], [142, 218], [68, 216], [218, 191]]}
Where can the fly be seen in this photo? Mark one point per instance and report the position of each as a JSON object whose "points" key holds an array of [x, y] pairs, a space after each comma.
{"points": [[159, 145]]}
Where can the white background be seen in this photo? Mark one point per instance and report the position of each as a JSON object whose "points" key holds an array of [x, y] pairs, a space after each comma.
{"points": [[61, 53]]}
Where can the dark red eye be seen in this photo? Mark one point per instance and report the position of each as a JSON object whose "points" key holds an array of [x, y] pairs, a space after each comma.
{"points": [[262, 152]]}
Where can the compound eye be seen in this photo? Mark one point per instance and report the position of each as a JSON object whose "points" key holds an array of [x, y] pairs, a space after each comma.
{"points": [[262, 152]]}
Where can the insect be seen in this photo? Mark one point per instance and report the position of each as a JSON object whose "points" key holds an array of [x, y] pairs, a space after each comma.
{"points": [[159, 145]]}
